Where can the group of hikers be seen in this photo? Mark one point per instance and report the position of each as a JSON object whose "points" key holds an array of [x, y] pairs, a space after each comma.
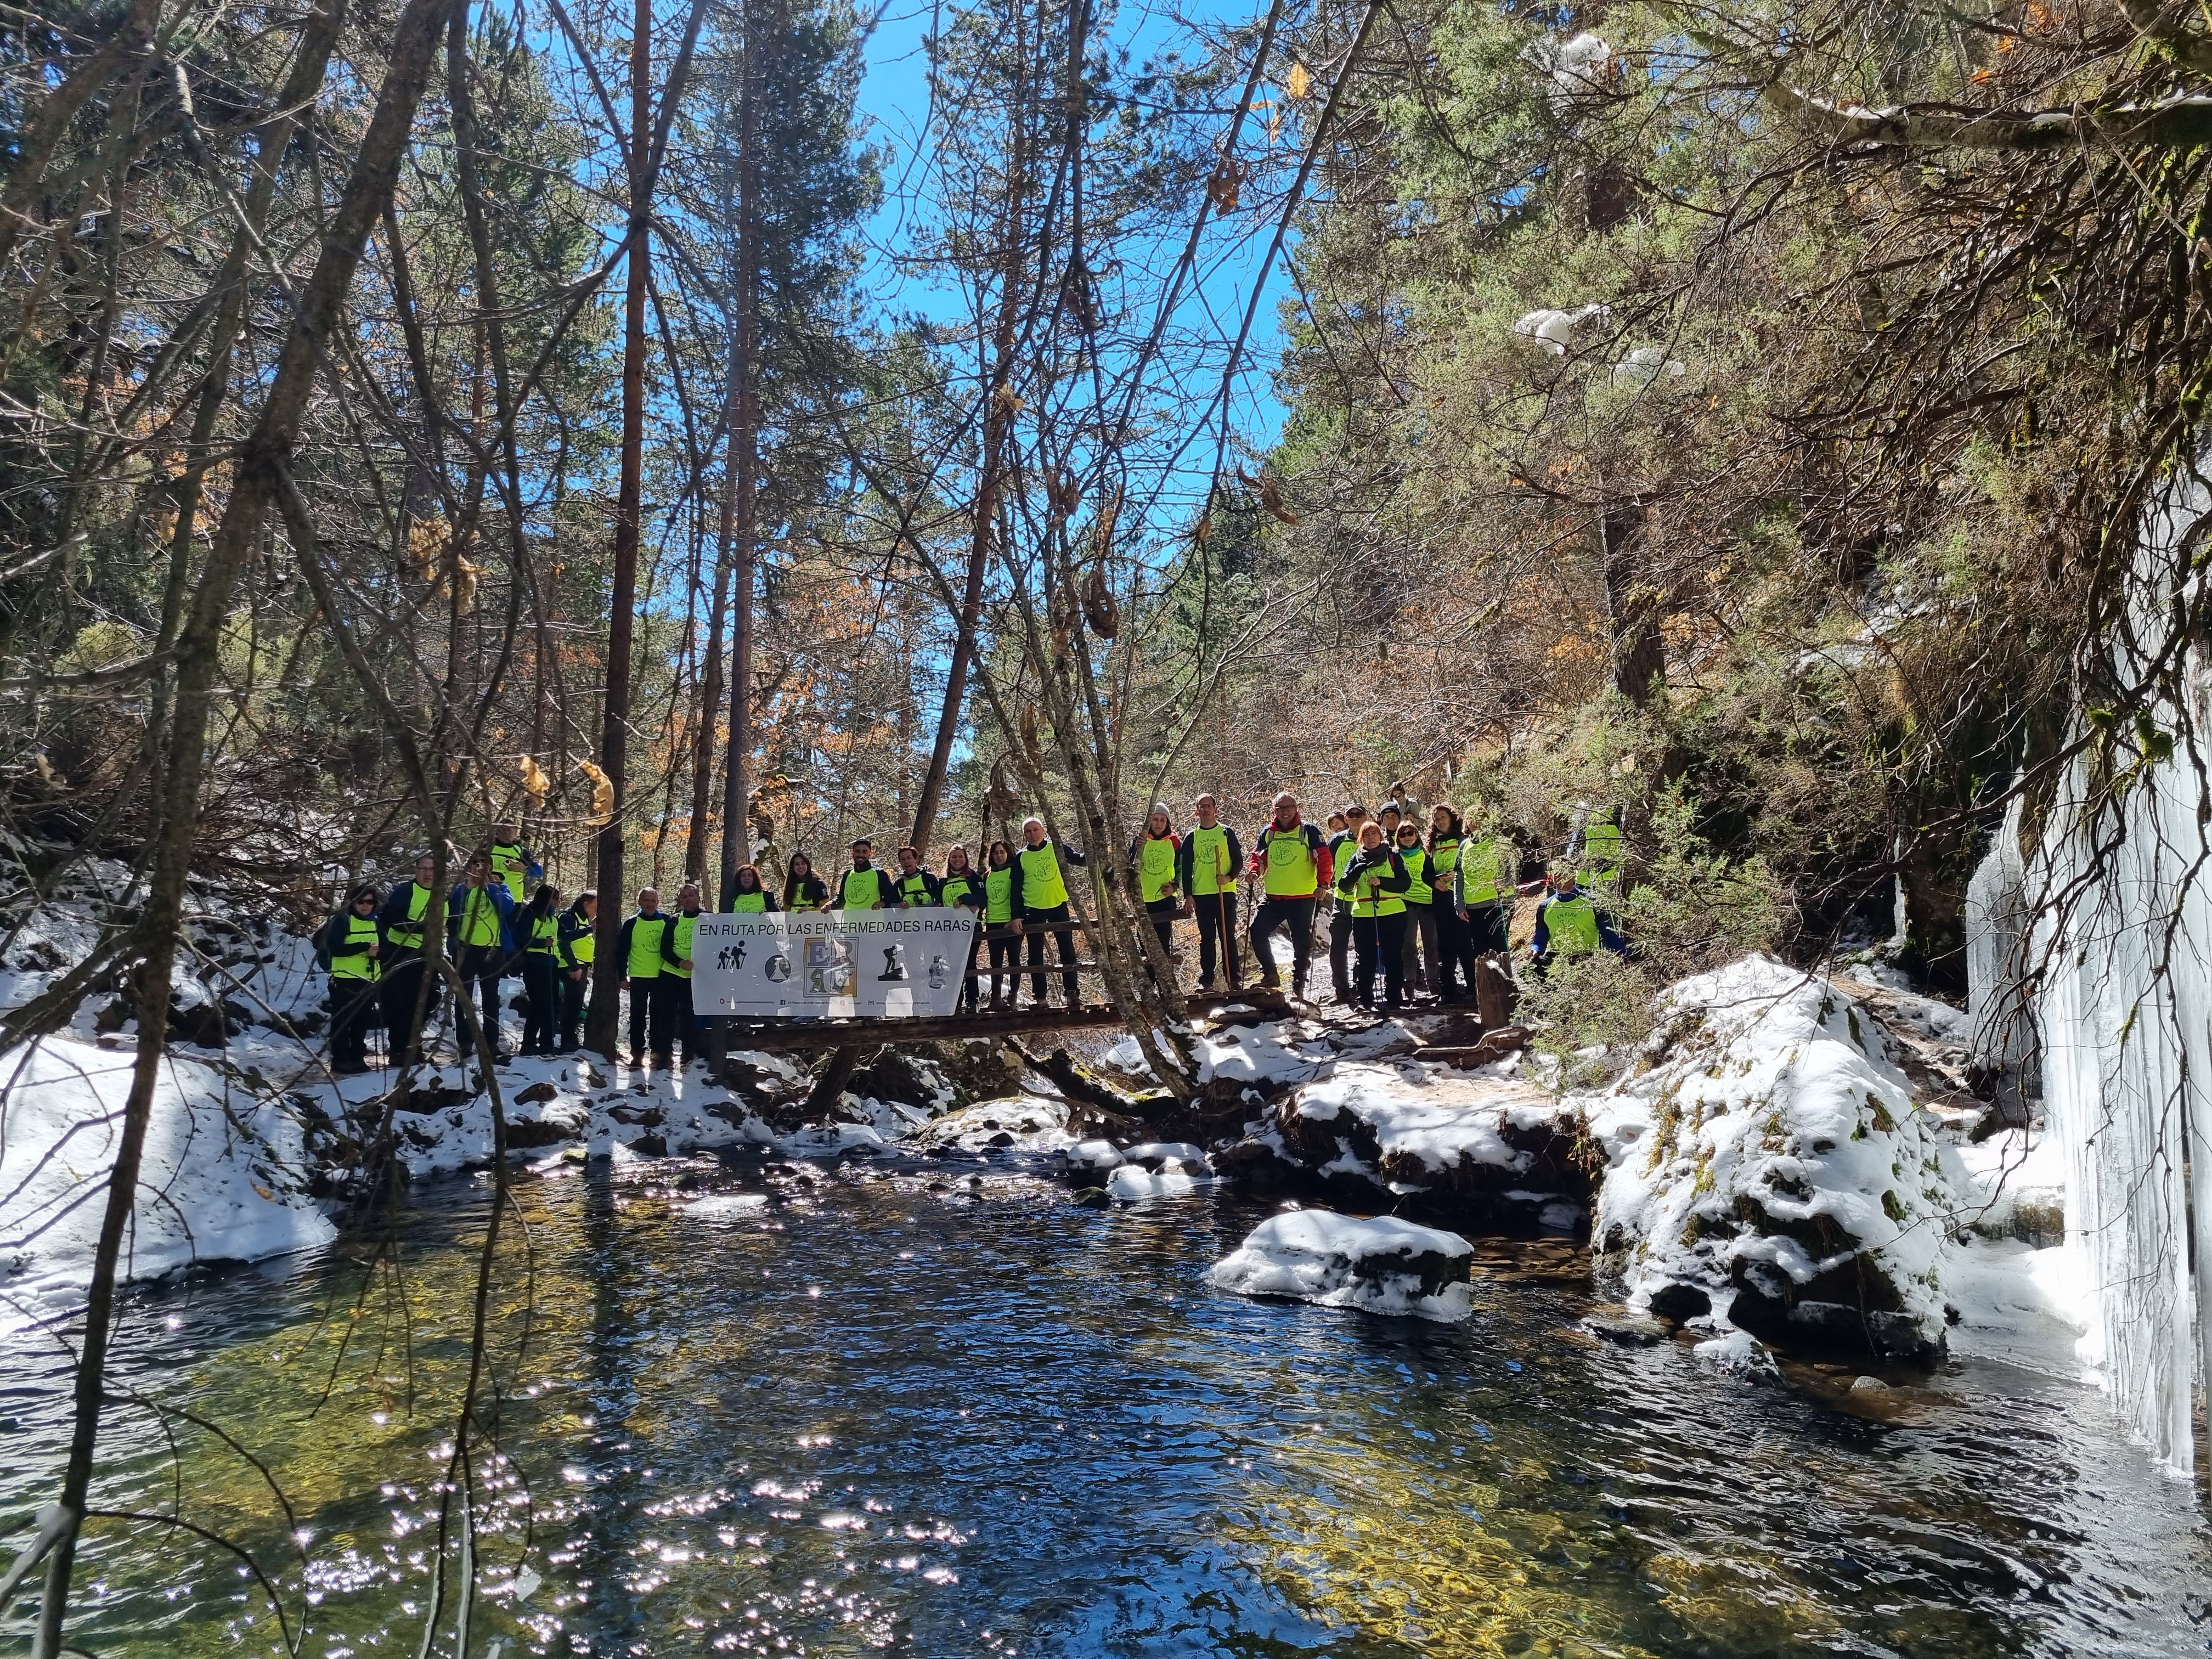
{"points": [[1411, 908]]}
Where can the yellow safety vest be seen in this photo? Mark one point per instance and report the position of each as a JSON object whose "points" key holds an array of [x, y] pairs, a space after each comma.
{"points": [[544, 934], [1443, 860], [1156, 867], [998, 895], [1341, 851], [479, 918], [410, 938], [869, 881], [1416, 861], [686, 925], [360, 965], [1601, 858], [959, 887], [508, 865], [1571, 927], [915, 889], [1367, 897], [1292, 871], [1481, 864], [1042, 887], [746, 904], [584, 944], [1209, 860], [645, 961]]}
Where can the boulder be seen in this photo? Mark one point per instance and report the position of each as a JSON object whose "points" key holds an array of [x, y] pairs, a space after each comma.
{"points": [[1769, 1163], [1380, 1264]]}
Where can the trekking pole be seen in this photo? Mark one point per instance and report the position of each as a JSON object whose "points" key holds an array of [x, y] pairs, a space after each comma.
{"points": [[1225, 896]]}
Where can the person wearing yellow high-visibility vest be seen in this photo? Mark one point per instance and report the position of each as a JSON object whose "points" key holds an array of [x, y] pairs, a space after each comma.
{"points": [[513, 865], [1455, 962], [962, 889], [863, 887], [1483, 887], [479, 916], [1374, 884], [538, 925], [802, 888], [684, 1022], [1597, 853], [1570, 925], [1421, 942], [1293, 864], [1211, 857], [353, 939], [1156, 858], [645, 951], [999, 924], [405, 917], [577, 946], [749, 895], [1342, 849], [1040, 899], [914, 886]]}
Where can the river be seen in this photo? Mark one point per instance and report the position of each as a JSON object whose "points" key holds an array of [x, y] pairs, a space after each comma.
{"points": [[938, 1409]]}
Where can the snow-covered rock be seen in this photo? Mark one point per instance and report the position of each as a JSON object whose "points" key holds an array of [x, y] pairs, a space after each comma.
{"points": [[1382, 1265], [224, 1176], [1770, 1169], [1467, 1149]]}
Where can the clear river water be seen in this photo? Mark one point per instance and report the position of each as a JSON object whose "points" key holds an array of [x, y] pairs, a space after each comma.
{"points": [[939, 1410]]}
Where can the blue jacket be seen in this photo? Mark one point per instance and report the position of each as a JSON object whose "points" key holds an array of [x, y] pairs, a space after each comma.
{"points": [[502, 900]]}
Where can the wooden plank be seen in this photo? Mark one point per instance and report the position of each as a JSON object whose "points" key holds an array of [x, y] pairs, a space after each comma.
{"points": [[803, 1036]]}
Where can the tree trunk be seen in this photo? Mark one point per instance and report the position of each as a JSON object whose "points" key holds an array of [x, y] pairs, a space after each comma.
{"points": [[264, 461], [1639, 651], [740, 516], [614, 732], [997, 425]]}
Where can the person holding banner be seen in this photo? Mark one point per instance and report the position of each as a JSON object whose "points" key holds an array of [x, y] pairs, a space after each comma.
{"points": [[1208, 861], [1156, 856], [676, 981], [802, 888], [914, 885], [998, 923], [1040, 900], [863, 887], [961, 888], [749, 897]]}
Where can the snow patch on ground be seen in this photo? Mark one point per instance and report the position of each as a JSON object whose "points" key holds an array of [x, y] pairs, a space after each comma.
{"points": [[223, 1177], [1381, 1265], [1259, 1054]]}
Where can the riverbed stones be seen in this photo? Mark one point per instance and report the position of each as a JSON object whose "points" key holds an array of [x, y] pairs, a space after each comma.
{"points": [[1377, 1263]]}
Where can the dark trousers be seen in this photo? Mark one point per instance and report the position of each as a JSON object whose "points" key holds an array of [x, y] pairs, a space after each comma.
{"points": [[354, 1009], [480, 963], [1163, 913], [1455, 974], [1421, 962], [679, 1023], [1339, 952], [401, 974], [1381, 942], [1006, 954], [575, 986], [541, 991], [1295, 913], [1067, 938], [1216, 925], [1485, 933], [649, 1019], [968, 985]]}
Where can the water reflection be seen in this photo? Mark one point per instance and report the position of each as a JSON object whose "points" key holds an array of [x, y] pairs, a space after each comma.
{"points": [[905, 1411]]}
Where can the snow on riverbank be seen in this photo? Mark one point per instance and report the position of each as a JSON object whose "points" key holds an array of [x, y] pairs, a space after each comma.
{"points": [[224, 1176], [1381, 1265]]}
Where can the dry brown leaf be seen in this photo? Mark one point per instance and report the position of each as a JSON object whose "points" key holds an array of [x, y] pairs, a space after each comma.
{"points": [[1297, 83], [603, 795], [1098, 608]]}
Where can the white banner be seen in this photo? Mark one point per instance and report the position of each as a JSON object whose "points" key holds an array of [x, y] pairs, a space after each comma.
{"points": [[831, 964]]}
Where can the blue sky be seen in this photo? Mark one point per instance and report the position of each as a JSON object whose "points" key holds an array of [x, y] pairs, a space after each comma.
{"points": [[893, 101]]}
